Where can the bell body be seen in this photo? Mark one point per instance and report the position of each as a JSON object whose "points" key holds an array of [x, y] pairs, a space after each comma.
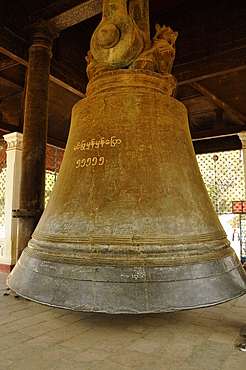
{"points": [[129, 227]]}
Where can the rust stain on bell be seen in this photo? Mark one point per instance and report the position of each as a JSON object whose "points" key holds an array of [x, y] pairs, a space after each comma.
{"points": [[129, 227]]}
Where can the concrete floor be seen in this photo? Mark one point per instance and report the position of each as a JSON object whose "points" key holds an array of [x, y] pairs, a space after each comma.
{"points": [[33, 336]]}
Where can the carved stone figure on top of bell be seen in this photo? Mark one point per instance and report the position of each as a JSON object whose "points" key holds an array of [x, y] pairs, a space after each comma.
{"points": [[129, 227]]}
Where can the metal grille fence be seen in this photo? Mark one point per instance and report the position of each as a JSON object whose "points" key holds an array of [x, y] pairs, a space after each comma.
{"points": [[223, 175]]}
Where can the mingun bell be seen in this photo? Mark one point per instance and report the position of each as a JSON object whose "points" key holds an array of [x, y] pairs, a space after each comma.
{"points": [[129, 227]]}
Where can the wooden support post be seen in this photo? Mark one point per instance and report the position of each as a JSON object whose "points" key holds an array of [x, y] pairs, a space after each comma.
{"points": [[32, 188]]}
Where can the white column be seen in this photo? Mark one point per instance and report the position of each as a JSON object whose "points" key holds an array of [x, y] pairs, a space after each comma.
{"points": [[242, 137], [12, 197]]}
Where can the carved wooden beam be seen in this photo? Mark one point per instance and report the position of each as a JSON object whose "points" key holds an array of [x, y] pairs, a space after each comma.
{"points": [[63, 13], [218, 101]]}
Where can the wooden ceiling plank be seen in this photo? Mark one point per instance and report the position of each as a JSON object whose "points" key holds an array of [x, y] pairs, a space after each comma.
{"points": [[213, 66], [14, 84], [64, 14], [218, 101]]}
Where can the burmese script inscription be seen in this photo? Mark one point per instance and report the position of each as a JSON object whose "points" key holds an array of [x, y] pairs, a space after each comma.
{"points": [[86, 162], [95, 144], [84, 145]]}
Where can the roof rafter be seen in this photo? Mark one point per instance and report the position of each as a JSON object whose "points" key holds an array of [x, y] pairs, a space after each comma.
{"points": [[218, 101]]}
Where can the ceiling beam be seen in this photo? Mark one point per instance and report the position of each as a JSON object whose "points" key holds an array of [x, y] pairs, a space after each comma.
{"points": [[8, 63], [56, 142], [217, 144], [63, 13], [7, 127], [218, 101], [216, 133]]}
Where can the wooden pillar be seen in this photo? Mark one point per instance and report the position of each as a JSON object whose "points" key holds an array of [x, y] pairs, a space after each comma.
{"points": [[32, 188]]}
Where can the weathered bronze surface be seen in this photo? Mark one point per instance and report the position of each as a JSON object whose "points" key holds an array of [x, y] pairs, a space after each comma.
{"points": [[129, 227]]}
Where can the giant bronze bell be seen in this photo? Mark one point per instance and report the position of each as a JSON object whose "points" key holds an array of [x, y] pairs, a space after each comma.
{"points": [[129, 227]]}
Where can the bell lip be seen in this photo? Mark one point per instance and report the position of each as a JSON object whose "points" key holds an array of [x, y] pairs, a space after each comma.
{"points": [[127, 312], [123, 297]]}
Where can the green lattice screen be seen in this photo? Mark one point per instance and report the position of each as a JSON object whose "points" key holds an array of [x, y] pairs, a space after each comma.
{"points": [[223, 175]]}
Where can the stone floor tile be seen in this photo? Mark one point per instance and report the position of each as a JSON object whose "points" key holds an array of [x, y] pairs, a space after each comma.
{"points": [[235, 361], [71, 318], [163, 361], [6, 364], [109, 365], [233, 321], [34, 363], [66, 332], [3, 346], [152, 320], [48, 315], [21, 314], [35, 330], [184, 337], [129, 358], [91, 355], [214, 315], [13, 339], [54, 323], [222, 337], [10, 327], [188, 367], [205, 321], [56, 353], [44, 341], [227, 329], [110, 346], [178, 350], [35, 308], [28, 321], [209, 355], [144, 346], [158, 336], [83, 341], [138, 328], [70, 331], [165, 316]]}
